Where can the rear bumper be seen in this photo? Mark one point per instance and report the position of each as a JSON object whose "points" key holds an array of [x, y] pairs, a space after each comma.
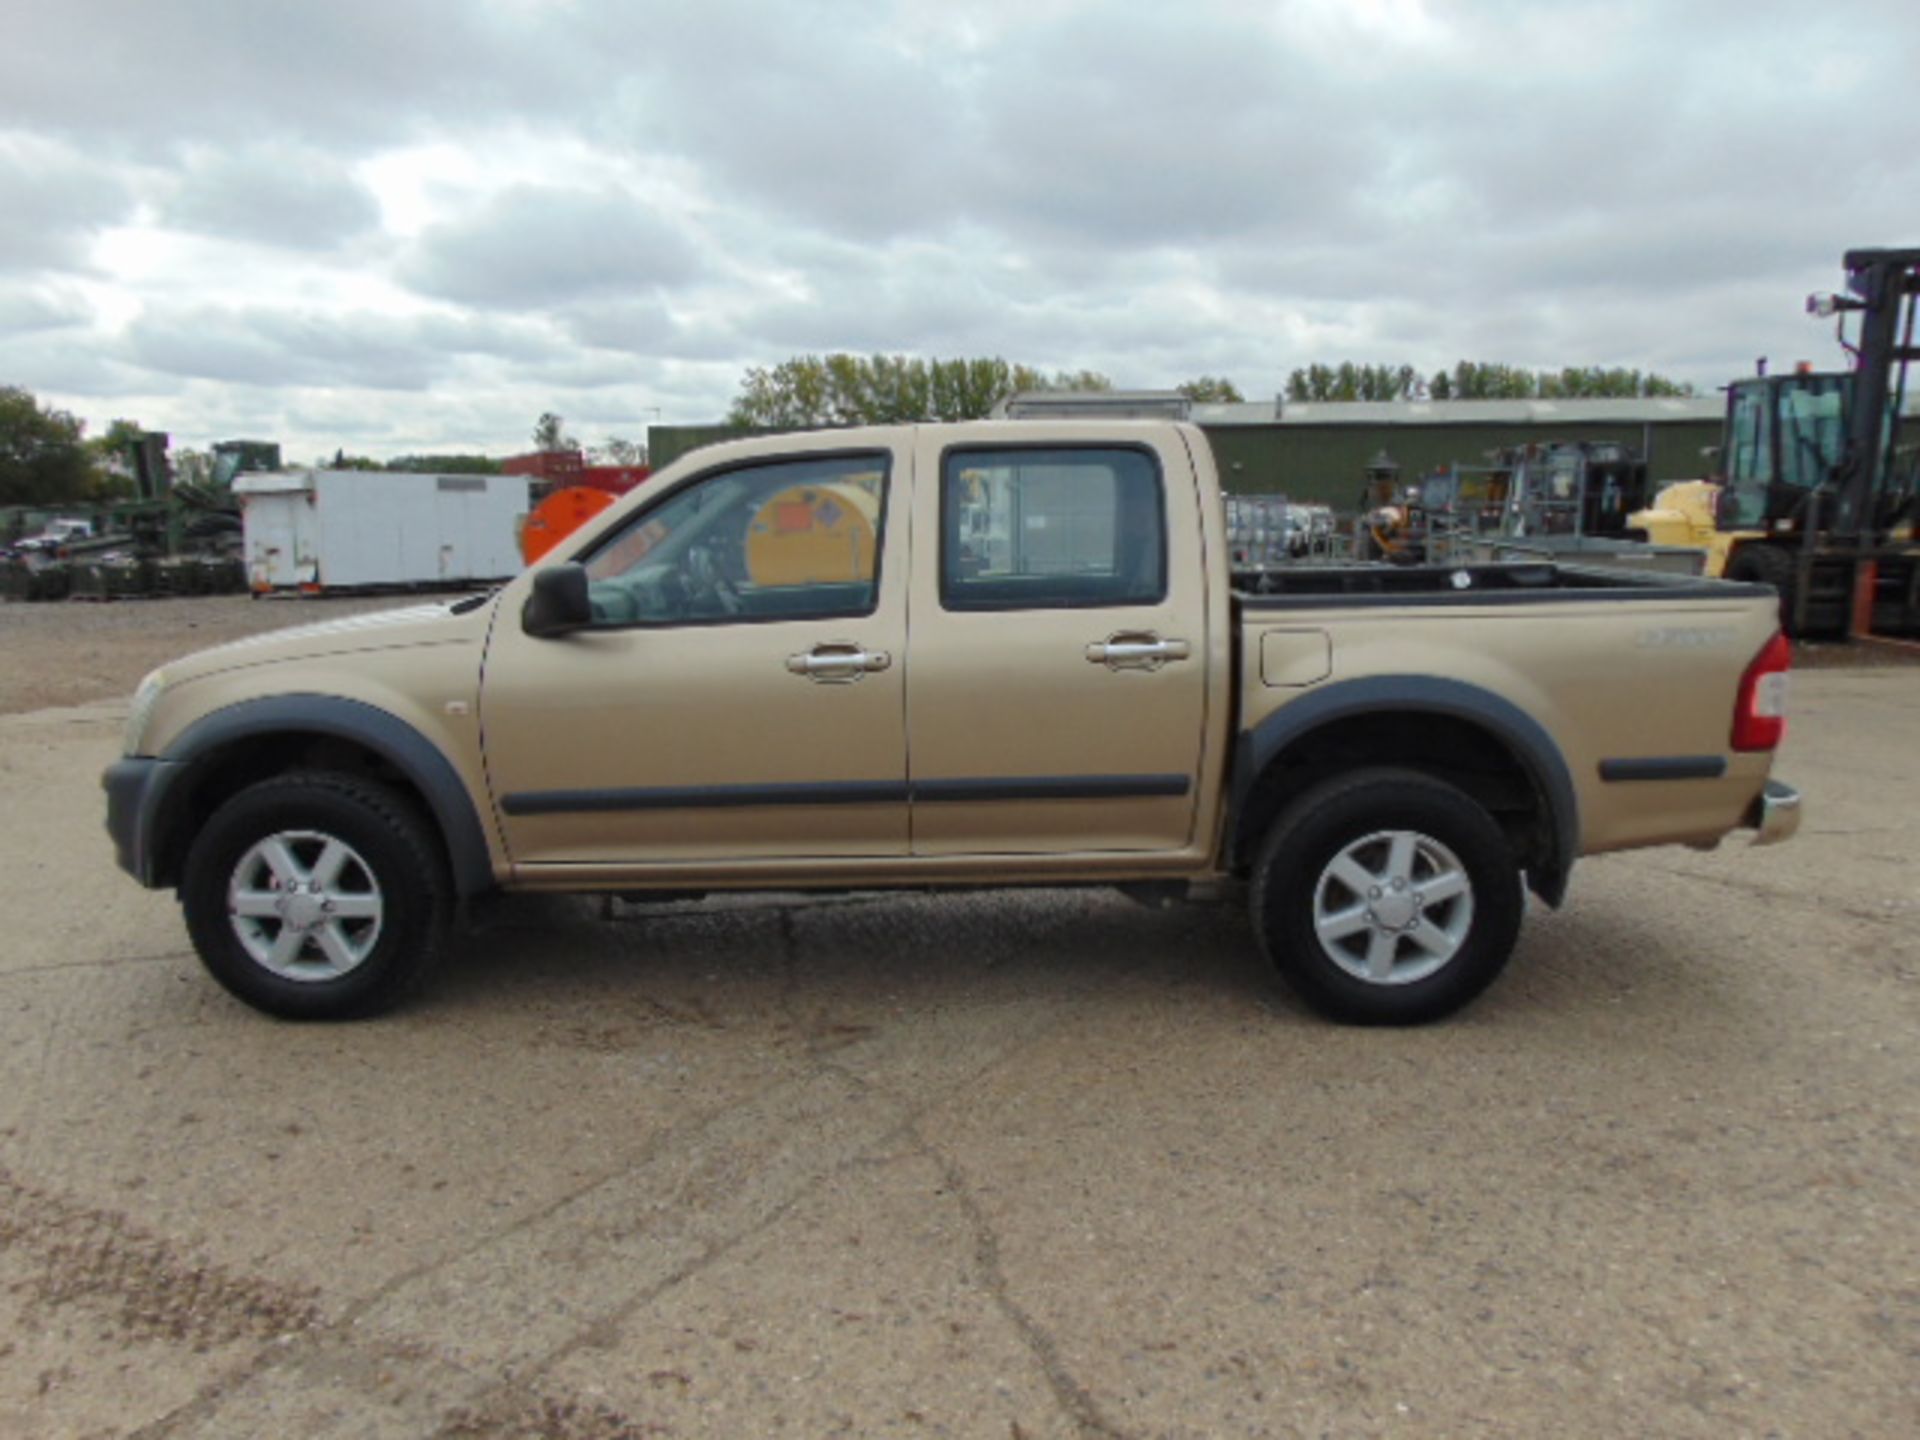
{"points": [[1775, 813], [134, 789]]}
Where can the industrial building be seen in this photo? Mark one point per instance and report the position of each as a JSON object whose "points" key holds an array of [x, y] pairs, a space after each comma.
{"points": [[1319, 452]]}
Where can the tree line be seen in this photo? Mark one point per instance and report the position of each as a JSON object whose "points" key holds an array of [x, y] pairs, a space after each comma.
{"points": [[817, 390], [841, 389], [46, 458], [1476, 380]]}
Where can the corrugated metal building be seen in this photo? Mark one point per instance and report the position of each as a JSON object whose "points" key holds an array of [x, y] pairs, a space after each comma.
{"points": [[1320, 451]]}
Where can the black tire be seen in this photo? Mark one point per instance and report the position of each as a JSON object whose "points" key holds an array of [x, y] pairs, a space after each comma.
{"points": [[1763, 564], [353, 946], [1396, 934]]}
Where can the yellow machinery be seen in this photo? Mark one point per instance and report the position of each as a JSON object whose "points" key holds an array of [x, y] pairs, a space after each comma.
{"points": [[813, 534], [1683, 514], [1817, 496]]}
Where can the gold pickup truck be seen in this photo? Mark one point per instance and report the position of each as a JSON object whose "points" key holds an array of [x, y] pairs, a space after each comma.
{"points": [[1003, 653]]}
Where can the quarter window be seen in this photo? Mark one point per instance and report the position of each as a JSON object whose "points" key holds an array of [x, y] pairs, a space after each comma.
{"points": [[791, 540], [1051, 529]]}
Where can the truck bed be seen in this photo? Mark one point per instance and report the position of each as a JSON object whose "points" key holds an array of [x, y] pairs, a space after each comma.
{"points": [[1294, 587]]}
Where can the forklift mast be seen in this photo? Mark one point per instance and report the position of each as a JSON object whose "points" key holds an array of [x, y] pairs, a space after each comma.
{"points": [[1884, 286]]}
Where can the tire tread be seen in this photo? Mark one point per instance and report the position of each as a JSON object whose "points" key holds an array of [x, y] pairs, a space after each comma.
{"points": [[429, 887], [1496, 917]]}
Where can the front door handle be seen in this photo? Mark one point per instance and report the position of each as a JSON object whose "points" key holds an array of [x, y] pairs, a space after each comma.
{"points": [[838, 664], [1136, 650]]}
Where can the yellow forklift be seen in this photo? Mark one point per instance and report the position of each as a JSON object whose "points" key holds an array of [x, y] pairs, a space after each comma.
{"points": [[1817, 497]]}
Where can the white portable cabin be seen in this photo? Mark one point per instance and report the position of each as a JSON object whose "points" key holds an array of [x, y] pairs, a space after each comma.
{"points": [[348, 529]]}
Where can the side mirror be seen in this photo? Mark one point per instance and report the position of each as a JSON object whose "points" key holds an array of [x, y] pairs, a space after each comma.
{"points": [[559, 603]]}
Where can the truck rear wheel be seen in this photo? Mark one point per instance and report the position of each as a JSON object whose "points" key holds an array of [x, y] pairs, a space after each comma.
{"points": [[1385, 897], [316, 896]]}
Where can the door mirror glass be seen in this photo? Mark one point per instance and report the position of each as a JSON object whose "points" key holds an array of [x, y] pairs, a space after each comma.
{"points": [[558, 603]]}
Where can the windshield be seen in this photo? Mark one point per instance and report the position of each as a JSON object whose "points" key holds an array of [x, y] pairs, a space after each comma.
{"points": [[1749, 433], [1813, 429], [1749, 456]]}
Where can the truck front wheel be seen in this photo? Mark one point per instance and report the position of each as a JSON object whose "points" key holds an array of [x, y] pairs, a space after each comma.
{"points": [[1386, 897], [316, 896]]}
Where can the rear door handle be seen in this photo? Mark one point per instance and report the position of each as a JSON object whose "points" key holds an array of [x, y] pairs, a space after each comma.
{"points": [[838, 664], [1137, 650]]}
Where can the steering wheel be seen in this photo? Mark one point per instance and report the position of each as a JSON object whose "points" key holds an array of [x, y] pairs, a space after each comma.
{"points": [[704, 580]]}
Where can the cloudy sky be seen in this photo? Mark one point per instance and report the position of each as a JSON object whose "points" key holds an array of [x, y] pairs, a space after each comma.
{"points": [[412, 225]]}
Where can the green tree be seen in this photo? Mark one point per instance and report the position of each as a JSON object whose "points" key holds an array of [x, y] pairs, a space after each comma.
{"points": [[118, 440], [617, 451], [1083, 380], [550, 433], [192, 467], [444, 464], [1474, 380], [43, 454], [1212, 390], [110, 457], [840, 389], [343, 461]]}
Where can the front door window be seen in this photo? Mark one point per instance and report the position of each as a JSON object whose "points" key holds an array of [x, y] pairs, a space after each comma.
{"points": [[792, 540]]}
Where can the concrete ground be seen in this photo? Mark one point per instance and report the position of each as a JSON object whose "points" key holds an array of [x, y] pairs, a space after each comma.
{"points": [[995, 1165]]}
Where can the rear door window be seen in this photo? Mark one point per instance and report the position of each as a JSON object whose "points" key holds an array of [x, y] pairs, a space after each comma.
{"points": [[1051, 528]]}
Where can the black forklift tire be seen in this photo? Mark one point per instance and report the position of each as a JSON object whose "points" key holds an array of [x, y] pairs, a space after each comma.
{"points": [[316, 896], [1760, 563], [1386, 897]]}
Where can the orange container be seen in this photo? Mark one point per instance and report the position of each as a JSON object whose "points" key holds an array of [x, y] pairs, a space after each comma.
{"points": [[558, 516]]}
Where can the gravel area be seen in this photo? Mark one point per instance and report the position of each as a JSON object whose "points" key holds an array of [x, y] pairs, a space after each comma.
{"points": [[1035, 1164], [75, 652]]}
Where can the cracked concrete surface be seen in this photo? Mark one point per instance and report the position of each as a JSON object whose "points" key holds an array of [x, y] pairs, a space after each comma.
{"points": [[1013, 1165]]}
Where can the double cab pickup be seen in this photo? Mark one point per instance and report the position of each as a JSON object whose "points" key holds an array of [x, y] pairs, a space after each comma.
{"points": [[984, 654]]}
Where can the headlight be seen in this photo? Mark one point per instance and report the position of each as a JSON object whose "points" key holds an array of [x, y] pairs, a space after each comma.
{"points": [[144, 699]]}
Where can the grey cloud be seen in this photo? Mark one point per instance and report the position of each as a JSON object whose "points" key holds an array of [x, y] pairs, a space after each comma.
{"points": [[1235, 189], [649, 328], [145, 76], [267, 347], [332, 414], [498, 337], [835, 124], [52, 203], [26, 309], [291, 196], [217, 345], [538, 246], [1113, 134], [75, 369], [1174, 128]]}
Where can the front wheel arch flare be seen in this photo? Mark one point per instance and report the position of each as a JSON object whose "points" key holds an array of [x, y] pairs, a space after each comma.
{"points": [[385, 734]]}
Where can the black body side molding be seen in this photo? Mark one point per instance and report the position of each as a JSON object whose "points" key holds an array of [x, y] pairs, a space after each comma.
{"points": [[845, 792], [1664, 767]]}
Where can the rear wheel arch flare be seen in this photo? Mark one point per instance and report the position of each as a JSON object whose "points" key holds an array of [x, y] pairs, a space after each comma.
{"points": [[1349, 714]]}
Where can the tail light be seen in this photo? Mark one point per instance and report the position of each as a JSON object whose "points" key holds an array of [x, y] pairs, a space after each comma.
{"points": [[1760, 712]]}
